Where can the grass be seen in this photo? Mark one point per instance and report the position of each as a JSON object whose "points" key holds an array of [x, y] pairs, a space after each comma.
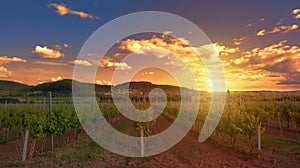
{"points": [[3, 141], [127, 126], [14, 134], [83, 150], [14, 164], [280, 146]]}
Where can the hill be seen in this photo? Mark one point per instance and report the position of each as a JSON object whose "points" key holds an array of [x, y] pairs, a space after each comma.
{"points": [[10, 88], [63, 88]]}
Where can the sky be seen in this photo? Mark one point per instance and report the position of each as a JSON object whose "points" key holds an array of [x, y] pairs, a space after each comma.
{"points": [[256, 41]]}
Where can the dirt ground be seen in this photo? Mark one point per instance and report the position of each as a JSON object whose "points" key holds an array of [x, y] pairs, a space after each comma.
{"points": [[187, 153]]}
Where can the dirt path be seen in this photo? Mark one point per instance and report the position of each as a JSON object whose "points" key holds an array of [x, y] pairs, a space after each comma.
{"points": [[189, 153], [186, 154]]}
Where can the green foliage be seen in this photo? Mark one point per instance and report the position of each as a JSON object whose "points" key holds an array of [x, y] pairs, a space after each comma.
{"points": [[38, 121], [37, 125]]}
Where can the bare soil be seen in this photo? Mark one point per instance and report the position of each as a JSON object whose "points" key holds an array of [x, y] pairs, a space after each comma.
{"points": [[187, 153]]}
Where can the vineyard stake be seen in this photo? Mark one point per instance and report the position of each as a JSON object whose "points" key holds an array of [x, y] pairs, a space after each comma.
{"points": [[258, 138], [141, 128], [25, 145], [50, 110], [142, 141]]}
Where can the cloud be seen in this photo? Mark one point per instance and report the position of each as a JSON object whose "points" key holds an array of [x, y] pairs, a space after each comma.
{"points": [[262, 19], [262, 32], [4, 72], [276, 63], [67, 45], [60, 47], [296, 13], [119, 65], [165, 46], [81, 62], [249, 25], [177, 52], [145, 47], [225, 50], [278, 29], [7, 60], [254, 23], [103, 82], [54, 79], [49, 63], [239, 41], [148, 73], [109, 63], [62, 10], [46, 52], [280, 21], [291, 79], [278, 58]]}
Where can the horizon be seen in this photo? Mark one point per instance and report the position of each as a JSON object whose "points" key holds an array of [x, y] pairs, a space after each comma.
{"points": [[157, 84]]}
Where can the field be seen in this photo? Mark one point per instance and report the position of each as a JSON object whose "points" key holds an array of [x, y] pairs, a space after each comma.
{"points": [[234, 143]]}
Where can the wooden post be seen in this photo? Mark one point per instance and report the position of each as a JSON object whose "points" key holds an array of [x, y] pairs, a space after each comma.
{"points": [[5, 104], [142, 142], [50, 110], [25, 145], [258, 138], [141, 128]]}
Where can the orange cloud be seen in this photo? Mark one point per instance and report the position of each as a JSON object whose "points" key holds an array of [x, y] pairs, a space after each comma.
{"points": [[148, 73], [268, 55], [119, 65], [49, 63], [62, 10], [58, 78], [46, 52], [110, 63], [4, 72], [177, 52], [67, 45], [254, 23], [278, 58], [239, 41], [296, 13], [145, 47], [81, 62], [160, 48], [103, 82], [278, 29], [60, 47], [224, 50], [7, 60], [262, 32], [276, 64], [280, 21]]}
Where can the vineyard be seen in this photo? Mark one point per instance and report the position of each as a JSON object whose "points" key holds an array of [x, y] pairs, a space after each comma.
{"points": [[246, 116], [242, 126]]}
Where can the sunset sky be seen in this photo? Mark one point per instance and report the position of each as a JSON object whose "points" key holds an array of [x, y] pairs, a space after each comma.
{"points": [[257, 41]]}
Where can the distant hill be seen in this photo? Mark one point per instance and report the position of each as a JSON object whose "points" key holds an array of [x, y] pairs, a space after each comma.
{"points": [[59, 88], [10, 88], [63, 88]]}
